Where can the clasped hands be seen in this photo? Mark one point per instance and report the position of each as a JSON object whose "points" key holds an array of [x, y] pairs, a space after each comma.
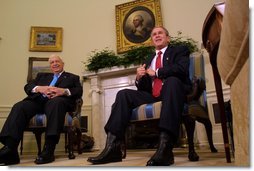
{"points": [[50, 91], [141, 71]]}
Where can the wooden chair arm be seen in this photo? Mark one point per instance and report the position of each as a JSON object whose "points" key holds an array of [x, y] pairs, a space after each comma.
{"points": [[77, 110], [198, 86]]}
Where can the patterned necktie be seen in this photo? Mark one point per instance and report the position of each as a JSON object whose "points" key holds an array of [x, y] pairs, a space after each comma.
{"points": [[157, 83], [53, 82]]}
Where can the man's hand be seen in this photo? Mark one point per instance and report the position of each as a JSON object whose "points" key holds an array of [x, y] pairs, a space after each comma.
{"points": [[42, 89], [55, 91], [151, 72], [50, 91], [141, 71]]}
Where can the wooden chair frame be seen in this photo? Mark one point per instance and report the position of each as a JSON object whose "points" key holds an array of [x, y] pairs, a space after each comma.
{"points": [[70, 131]]}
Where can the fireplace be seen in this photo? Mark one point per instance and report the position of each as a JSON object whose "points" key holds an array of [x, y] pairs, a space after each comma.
{"points": [[107, 82], [104, 86]]}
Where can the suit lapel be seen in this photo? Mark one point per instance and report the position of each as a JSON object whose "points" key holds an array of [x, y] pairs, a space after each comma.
{"points": [[166, 56], [61, 78], [149, 60], [49, 79]]}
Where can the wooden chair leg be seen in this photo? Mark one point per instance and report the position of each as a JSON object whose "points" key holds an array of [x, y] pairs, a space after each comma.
{"points": [[209, 132], [123, 149], [21, 145], [79, 134], [38, 140], [66, 141], [189, 124], [70, 135]]}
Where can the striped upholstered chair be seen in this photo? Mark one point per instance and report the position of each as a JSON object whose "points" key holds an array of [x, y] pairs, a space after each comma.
{"points": [[71, 128], [194, 109]]}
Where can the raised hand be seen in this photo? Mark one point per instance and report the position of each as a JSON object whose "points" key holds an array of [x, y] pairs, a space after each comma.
{"points": [[141, 71]]}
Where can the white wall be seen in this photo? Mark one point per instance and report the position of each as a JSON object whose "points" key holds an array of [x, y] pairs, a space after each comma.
{"points": [[87, 25]]}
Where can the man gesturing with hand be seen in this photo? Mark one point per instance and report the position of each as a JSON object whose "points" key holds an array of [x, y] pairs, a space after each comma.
{"points": [[164, 76]]}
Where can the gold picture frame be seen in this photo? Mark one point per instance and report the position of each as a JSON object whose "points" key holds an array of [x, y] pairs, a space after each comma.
{"points": [[46, 39], [129, 34], [36, 65]]}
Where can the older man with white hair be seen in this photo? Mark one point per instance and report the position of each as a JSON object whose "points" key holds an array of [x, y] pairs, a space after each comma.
{"points": [[51, 93]]}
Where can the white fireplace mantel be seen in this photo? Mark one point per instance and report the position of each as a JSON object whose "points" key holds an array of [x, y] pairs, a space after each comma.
{"points": [[104, 86]]}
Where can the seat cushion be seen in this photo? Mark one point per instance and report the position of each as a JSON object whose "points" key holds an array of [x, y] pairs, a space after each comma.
{"points": [[68, 120], [146, 112], [152, 111], [40, 120]]}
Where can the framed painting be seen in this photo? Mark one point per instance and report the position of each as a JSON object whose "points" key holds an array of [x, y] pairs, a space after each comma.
{"points": [[36, 65], [134, 23], [47, 39]]}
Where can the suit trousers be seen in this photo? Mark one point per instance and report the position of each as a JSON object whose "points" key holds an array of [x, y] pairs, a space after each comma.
{"points": [[173, 96], [21, 113]]}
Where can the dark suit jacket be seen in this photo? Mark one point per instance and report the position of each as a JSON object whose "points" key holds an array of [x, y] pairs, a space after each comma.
{"points": [[175, 63], [66, 80]]}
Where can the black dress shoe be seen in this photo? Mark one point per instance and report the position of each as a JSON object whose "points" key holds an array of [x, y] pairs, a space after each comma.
{"points": [[193, 156], [164, 154], [111, 153], [44, 158], [108, 155], [159, 163], [47, 154], [161, 160], [9, 156]]}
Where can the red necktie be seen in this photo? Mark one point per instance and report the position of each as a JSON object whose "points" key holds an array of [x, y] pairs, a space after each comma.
{"points": [[157, 83]]}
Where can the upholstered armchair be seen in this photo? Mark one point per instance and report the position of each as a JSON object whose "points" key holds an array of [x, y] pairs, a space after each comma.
{"points": [[71, 128], [194, 110]]}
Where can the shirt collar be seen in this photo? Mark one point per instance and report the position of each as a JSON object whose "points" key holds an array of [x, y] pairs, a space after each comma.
{"points": [[162, 50], [59, 74]]}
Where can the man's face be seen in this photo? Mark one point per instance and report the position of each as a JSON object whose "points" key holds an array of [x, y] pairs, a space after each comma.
{"points": [[56, 64], [136, 21], [159, 38]]}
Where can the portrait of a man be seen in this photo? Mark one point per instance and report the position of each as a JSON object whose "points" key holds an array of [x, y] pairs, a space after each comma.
{"points": [[134, 23], [138, 24]]}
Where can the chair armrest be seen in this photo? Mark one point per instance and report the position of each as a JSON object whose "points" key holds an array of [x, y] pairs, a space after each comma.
{"points": [[198, 86], [77, 110]]}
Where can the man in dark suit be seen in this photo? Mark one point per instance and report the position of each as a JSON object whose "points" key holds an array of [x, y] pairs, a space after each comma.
{"points": [[163, 77], [51, 93]]}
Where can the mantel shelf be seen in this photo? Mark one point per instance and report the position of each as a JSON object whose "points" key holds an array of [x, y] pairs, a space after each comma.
{"points": [[111, 72]]}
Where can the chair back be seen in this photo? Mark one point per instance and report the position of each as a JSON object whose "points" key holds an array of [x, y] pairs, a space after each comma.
{"points": [[197, 71]]}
